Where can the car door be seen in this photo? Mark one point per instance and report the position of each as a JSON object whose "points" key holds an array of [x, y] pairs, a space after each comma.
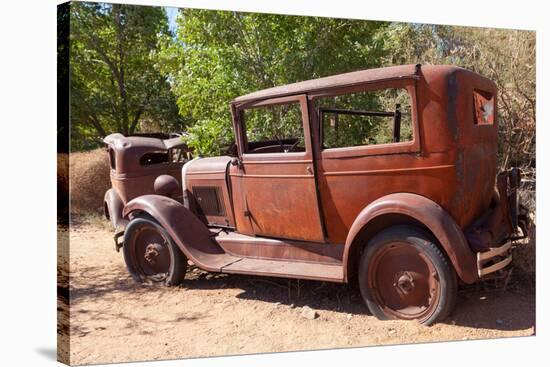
{"points": [[274, 187], [368, 146]]}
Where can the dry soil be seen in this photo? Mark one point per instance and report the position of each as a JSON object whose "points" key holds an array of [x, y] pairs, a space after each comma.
{"points": [[114, 319]]}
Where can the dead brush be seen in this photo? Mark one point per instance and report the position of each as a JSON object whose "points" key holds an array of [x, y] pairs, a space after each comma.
{"points": [[524, 258], [89, 179]]}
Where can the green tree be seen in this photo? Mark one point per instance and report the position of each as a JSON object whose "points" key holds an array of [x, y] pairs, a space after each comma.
{"points": [[219, 55], [114, 84]]}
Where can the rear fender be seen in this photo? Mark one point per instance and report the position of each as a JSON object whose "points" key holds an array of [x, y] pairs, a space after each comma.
{"points": [[429, 214], [189, 233]]}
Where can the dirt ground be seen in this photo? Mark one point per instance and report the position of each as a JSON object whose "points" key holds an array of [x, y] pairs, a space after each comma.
{"points": [[114, 319]]}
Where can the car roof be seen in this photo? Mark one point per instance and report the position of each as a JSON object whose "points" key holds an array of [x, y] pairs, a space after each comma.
{"points": [[119, 142], [334, 81]]}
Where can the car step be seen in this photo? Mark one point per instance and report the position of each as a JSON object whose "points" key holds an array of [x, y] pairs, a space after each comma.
{"points": [[286, 269]]}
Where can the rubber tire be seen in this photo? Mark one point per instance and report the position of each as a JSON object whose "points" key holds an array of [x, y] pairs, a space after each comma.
{"points": [[427, 244], [178, 261]]}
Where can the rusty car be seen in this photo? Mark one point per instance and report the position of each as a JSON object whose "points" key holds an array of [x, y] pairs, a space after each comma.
{"points": [[135, 162], [387, 177]]}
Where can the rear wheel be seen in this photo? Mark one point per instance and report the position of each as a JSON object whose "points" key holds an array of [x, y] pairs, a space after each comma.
{"points": [[151, 254], [404, 275]]}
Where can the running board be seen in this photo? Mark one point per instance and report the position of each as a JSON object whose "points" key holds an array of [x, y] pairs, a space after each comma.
{"points": [[286, 269], [240, 245]]}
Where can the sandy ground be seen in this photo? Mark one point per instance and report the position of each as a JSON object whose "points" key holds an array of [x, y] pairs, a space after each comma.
{"points": [[114, 319]]}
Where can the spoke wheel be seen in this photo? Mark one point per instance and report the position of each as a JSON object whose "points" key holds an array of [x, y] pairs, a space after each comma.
{"points": [[151, 255], [405, 276]]}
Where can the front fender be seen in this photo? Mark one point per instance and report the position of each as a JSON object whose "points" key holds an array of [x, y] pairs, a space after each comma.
{"points": [[430, 214], [113, 208], [189, 233]]}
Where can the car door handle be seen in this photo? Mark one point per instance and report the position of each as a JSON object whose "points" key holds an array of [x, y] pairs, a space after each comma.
{"points": [[309, 170]]}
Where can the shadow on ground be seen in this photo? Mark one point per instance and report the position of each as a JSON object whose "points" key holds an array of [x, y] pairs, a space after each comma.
{"points": [[484, 305], [478, 306]]}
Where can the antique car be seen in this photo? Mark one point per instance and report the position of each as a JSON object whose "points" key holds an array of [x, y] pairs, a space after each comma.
{"points": [[384, 176], [136, 161]]}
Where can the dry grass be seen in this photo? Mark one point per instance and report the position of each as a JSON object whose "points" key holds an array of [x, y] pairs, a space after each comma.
{"points": [[89, 179], [62, 187], [91, 220], [63, 173]]}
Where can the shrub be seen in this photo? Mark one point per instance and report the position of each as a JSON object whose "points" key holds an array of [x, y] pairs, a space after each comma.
{"points": [[89, 179]]}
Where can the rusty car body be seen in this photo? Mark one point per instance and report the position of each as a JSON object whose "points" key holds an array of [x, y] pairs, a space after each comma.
{"points": [[135, 162], [390, 179]]}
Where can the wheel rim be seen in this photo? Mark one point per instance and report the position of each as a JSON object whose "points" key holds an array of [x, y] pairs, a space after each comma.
{"points": [[151, 254], [404, 282]]}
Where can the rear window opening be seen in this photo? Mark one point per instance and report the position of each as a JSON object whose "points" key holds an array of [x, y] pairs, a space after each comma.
{"points": [[382, 116], [484, 107]]}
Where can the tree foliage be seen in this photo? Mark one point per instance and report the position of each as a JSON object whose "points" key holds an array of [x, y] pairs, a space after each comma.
{"points": [[219, 55], [114, 84]]}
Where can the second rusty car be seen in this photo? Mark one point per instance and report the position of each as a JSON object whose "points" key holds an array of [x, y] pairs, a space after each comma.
{"points": [[387, 176], [136, 161]]}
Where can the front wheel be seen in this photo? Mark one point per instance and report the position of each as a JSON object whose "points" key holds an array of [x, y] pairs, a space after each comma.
{"points": [[404, 275], [151, 254]]}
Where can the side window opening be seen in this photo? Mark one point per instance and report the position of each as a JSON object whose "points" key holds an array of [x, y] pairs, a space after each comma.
{"points": [[484, 107], [153, 158], [173, 155], [365, 118], [274, 128], [112, 160]]}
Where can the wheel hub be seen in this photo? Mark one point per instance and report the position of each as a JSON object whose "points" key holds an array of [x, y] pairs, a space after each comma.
{"points": [[152, 252], [404, 282]]}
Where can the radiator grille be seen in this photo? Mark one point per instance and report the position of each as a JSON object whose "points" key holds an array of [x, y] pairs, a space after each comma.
{"points": [[209, 201]]}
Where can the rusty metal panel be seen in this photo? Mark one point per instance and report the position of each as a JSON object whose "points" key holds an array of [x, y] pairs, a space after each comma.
{"points": [[287, 269], [330, 82], [129, 149], [278, 194], [283, 205], [210, 172], [238, 244], [346, 190], [132, 186]]}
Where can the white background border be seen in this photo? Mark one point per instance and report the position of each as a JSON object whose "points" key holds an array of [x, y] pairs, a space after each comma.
{"points": [[28, 181]]}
